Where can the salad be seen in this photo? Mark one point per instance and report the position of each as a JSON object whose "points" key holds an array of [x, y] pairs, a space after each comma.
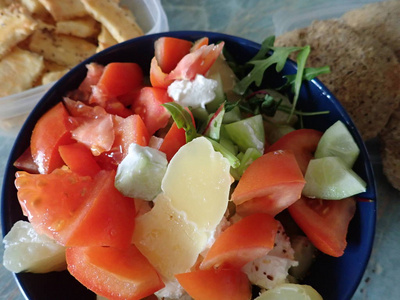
{"points": [[196, 182]]}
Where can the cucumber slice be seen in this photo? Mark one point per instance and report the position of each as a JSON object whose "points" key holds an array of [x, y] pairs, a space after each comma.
{"points": [[247, 133], [140, 173], [248, 157], [231, 116], [275, 131], [331, 179], [338, 141]]}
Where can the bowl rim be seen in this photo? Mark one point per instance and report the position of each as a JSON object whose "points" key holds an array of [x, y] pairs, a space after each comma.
{"points": [[370, 195]]}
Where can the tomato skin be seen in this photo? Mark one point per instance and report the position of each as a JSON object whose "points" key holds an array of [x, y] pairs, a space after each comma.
{"points": [[84, 90], [119, 78], [126, 131], [96, 133], [158, 78], [278, 198], [173, 140], [270, 184], [25, 162], [169, 51], [248, 239], [51, 131], [325, 222], [216, 284], [149, 107], [204, 41], [79, 159], [114, 273], [116, 107], [302, 142], [80, 110]]}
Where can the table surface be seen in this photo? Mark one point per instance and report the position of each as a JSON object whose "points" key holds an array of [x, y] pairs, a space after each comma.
{"points": [[254, 20]]}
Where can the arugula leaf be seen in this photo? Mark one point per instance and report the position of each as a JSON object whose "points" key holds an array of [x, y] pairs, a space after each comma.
{"points": [[308, 74], [183, 119], [266, 45], [278, 58], [262, 61], [301, 64]]}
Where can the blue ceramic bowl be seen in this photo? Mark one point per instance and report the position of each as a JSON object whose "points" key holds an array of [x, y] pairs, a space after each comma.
{"points": [[334, 278]]}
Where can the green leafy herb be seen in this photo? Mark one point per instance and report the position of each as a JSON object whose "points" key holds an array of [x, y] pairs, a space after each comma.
{"points": [[301, 64], [183, 119], [262, 61], [309, 74], [279, 57]]}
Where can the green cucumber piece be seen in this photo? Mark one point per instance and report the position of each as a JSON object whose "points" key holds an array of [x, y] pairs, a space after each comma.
{"points": [[338, 141], [247, 133], [248, 157], [331, 179], [140, 173]]}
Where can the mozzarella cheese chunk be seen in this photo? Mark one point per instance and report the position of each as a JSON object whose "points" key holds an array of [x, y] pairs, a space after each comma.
{"points": [[194, 93]]}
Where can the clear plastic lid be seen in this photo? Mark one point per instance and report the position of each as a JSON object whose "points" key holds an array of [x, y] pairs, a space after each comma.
{"points": [[14, 109]]}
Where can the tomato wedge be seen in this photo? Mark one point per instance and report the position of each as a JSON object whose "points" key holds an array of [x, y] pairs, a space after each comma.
{"points": [[149, 106], [196, 62], [199, 43], [106, 219], [325, 222], [114, 273], [80, 110], [25, 162], [270, 184], [173, 140], [169, 51], [96, 133], [51, 131], [77, 210], [119, 78], [126, 131], [130, 130], [216, 284], [84, 90], [302, 142], [250, 238], [79, 159], [158, 78], [50, 200]]}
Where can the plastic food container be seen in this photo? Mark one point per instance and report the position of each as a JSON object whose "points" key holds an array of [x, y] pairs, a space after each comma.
{"points": [[14, 109]]}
